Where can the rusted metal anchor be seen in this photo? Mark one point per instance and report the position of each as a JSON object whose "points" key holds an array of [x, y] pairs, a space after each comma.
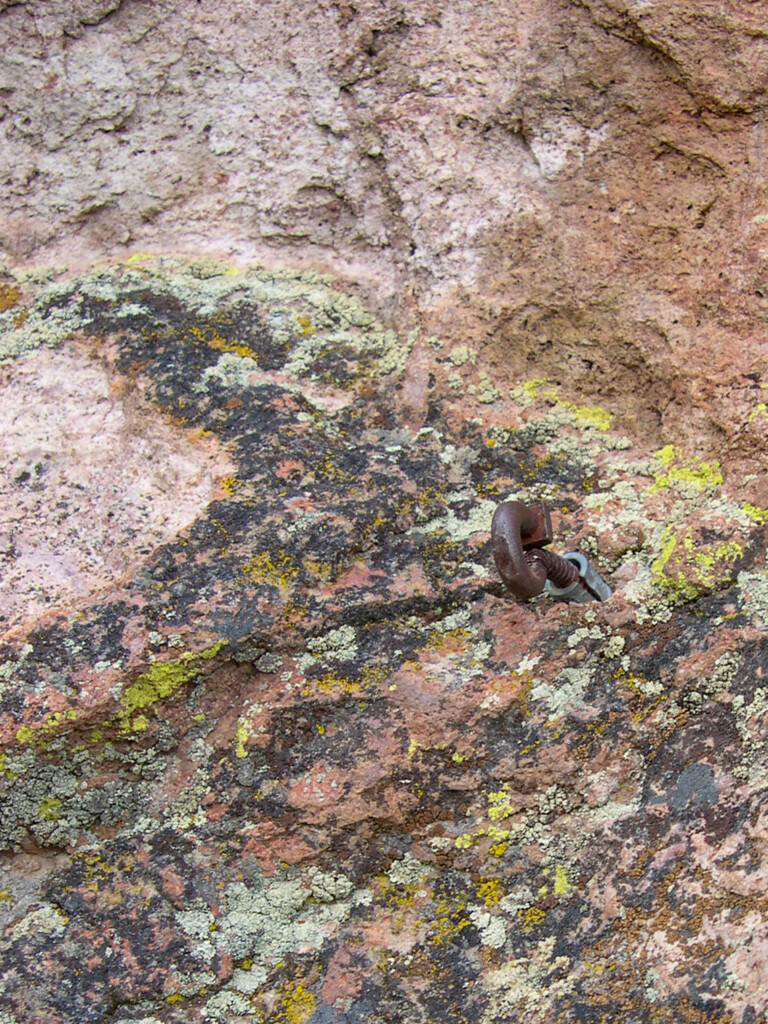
{"points": [[519, 534]]}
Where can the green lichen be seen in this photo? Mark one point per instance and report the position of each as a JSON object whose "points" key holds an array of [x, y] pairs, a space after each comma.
{"points": [[48, 795], [161, 680], [756, 513], [261, 921], [306, 315], [42, 731], [701, 476], [490, 891], [684, 569], [532, 387], [561, 886], [582, 416], [590, 415], [241, 736]]}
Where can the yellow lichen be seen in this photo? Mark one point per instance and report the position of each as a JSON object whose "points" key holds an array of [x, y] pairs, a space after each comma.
{"points": [[231, 484], [532, 387], [666, 454], [646, 698], [759, 515], [241, 735], [449, 919], [140, 257], [494, 832], [463, 842], [296, 1006], [216, 340], [159, 682], [499, 806], [49, 808], [561, 886], [702, 476], [668, 544], [40, 732], [9, 296], [330, 682], [531, 917], [683, 569], [490, 891], [277, 570], [591, 415]]}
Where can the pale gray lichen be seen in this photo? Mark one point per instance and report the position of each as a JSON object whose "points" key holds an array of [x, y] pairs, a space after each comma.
{"points": [[41, 327], [613, 648], [336, 645], [305, 312], [492, 930], [515, 988], [460, 528], [187, 809], [753, 587], [226, 1005], [486, 391], [9, 670], [408, 871], [264, 919], [723, 673], [54, 801], [565, 693], [45, 920], [132, 1020], [459, 355]]}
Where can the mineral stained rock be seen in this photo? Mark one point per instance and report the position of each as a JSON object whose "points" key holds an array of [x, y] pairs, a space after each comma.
{"points": [[277, 748], [304, 760]]}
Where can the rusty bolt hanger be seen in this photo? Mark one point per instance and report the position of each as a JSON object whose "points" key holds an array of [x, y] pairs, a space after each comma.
{"points": [[519, 534]]}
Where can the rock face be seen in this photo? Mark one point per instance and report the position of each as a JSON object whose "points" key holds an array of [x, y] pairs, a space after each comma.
{"points": [[306, 761], [276, 745], [577, 188]]}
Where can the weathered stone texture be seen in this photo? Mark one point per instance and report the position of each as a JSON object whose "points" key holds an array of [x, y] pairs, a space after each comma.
{"points": [[276, 745], [577, 185], [306, 761]]}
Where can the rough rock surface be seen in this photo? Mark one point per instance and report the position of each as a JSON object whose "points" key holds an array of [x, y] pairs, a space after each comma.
{"points": [[307, 762], [576, 188], [276, 745]]}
